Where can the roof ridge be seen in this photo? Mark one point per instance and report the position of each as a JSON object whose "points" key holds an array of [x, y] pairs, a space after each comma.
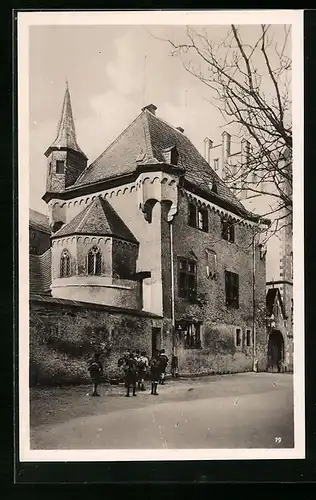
{"points": [[107, 149], [89, 208], [169, 125]]}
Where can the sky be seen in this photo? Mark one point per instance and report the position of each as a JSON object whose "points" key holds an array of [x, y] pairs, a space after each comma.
{"points": [[113, 71]]}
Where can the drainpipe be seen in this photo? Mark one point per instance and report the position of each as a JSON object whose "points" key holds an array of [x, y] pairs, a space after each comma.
{"points": [[255, 361], [172, 288]]}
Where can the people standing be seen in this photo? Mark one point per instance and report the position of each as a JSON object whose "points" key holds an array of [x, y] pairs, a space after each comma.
{"points": [[163, 365], [143, 363], [155, 364], [96, 371], [131, 374]]}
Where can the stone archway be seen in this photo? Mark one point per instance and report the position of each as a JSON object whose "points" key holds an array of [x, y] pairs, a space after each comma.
{"points": [[275, 351]]}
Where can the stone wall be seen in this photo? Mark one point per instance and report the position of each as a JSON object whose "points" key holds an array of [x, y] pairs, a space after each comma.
{"points": [[63, 335]]}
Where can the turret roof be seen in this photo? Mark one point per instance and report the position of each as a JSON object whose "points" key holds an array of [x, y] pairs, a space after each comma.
{"points": [[98, 218], [66, 132]]}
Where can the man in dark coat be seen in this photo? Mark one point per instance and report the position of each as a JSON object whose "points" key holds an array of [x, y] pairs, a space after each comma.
{"points": [[131, 374], [96, 371], [155, 365]]}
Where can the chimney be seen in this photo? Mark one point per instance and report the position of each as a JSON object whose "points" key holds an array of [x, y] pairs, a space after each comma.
{"points": [[208, 144], [151, 108], [226, 143], [245, 152], [180, 129]]}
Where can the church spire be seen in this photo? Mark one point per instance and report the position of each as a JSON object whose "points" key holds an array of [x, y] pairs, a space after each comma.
{"points": [[66, 132]]}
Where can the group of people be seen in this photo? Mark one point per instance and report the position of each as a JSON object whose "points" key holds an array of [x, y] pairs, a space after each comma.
{"points": [[137, 368]]}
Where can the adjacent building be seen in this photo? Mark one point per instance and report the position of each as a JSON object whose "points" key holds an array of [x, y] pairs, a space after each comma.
{"points": [[231, 161]]}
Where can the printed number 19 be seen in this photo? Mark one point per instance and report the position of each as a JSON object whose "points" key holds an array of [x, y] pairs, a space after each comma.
{"points": [[278, 439]]}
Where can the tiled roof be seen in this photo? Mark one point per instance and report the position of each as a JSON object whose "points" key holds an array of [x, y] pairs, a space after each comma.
{"points": [[145, 140], [97, 218], [40, 272], [39, 221]]}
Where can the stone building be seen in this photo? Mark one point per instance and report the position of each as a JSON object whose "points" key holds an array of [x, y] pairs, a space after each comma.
{"points": [[150, 230], [230, 160]]}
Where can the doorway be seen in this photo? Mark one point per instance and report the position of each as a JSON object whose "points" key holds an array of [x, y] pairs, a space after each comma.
{"points": [[155, 340], [275, 351]]}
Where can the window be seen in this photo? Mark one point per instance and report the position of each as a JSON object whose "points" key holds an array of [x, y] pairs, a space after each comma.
{"points": [[238, 337], [189, 334], [198, 217], [203, 219], [248, 337], [232, 289], [192, 215], [291, 265], [187, 279], [60, 167], [94, 261], [65, 265], [211, 263], [216, 164], [228, 230]]}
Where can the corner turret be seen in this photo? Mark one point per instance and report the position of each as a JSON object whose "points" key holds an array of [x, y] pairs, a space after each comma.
{"points": [[66, 161]]}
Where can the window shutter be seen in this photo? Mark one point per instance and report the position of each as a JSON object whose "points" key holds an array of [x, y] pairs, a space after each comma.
{"points": [[192, 215], [235, 289]]}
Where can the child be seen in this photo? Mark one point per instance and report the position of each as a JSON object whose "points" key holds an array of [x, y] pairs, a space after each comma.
{"points": [[155, 365], [131, 374], [96, 371], [142, 370], [163, 365]]}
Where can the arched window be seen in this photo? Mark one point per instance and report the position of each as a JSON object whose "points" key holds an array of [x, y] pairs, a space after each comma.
{"points": [[94, 261], [65, 264]]}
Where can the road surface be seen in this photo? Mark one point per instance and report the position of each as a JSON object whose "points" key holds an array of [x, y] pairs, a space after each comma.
{"points": [[232, 411]]}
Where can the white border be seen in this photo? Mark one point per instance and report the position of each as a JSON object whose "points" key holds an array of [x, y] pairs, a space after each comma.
{"points": [[26, 19]]}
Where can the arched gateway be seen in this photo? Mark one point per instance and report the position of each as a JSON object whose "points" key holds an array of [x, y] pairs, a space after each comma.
{"points": [[275, 351]]}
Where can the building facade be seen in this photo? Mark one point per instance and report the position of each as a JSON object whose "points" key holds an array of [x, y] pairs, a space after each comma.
{"points": [[150, 228], [231, 161]]}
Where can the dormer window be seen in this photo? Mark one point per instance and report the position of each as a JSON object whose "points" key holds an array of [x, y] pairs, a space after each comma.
{"points": [[65, 265], [94, 261], [171, 155], [213, 186], [60, 167]]}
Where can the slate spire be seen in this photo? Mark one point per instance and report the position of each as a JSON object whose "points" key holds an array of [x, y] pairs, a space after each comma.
{"points": [[66, 132]]}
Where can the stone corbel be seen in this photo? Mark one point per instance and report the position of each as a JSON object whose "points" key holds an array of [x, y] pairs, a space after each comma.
{"points": [[172, 211]]}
